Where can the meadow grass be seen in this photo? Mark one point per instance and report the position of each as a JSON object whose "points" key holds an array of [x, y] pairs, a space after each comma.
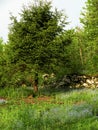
{"points": [[72, 110]]}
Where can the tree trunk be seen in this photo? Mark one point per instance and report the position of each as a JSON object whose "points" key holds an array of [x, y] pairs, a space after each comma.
{"points": [[81, 56], [36, 83]]}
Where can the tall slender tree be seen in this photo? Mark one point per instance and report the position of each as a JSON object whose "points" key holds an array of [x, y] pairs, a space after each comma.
{"points": [[90, 23]]}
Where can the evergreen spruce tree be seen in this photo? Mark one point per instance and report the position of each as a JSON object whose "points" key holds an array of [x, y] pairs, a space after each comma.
{"points": [[33, 38]]}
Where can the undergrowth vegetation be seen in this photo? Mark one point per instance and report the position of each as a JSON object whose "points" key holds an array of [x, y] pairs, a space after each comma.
{"points": [[72, 110]]}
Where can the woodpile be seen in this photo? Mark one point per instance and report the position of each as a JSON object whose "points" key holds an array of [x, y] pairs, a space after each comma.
{"points": [[78, 81]]}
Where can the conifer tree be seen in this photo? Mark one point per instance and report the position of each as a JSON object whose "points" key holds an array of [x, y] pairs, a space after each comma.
{"points": [[33, 38]]}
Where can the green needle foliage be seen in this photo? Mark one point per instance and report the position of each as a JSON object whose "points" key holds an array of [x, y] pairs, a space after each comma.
{"points": [[35, 40], [32, 37], [90, 23]]}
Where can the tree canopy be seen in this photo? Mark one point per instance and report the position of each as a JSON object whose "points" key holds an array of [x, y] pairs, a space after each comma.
{"points": [[90, 23], [37, 41], [33, 37]]}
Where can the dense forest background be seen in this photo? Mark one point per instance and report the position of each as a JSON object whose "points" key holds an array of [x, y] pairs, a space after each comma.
{"points": [[39, 44]]}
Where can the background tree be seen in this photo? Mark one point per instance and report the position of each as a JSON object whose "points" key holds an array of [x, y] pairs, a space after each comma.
{"points": [[3, 68], [1, 57], [74, 52], [90, 23]]}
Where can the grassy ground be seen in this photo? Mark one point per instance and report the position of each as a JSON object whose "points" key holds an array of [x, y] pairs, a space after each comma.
{"points": [[71, 110]]}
